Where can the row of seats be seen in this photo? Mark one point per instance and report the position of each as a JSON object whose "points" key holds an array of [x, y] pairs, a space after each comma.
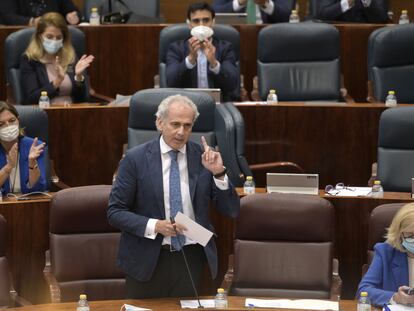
{"points": [[295, 224]]}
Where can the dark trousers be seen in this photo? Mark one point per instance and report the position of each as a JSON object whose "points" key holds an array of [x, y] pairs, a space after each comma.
{"points": [[170, 278]]}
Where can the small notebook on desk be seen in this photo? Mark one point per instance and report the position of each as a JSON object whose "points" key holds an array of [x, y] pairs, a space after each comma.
{"points": [[292, 183]]}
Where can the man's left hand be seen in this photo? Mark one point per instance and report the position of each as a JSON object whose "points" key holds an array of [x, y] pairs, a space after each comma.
{"points": [[210, 52], [211, 159]]}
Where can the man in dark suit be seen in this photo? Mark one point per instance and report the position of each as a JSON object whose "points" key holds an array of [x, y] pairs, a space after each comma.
{"points": [[363, 11], [187, 60], [28, 12], [153, 180], [271, 11]]}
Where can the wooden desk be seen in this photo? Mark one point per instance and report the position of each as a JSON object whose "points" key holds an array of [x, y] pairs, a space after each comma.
{"points": [[127, 56], [171, 304], [27, 239]]}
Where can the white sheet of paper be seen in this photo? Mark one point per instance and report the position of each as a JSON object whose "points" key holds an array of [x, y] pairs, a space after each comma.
{"points": [[304, 304], [193, 304], [194, 231], [351, 192], [398, 307], [134, 308]]}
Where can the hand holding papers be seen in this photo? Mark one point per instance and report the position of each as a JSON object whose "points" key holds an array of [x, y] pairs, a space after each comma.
{"points": [[194, 231]]}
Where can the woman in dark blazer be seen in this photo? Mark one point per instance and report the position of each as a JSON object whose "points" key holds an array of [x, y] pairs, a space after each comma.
{"points": [[49, 64]]}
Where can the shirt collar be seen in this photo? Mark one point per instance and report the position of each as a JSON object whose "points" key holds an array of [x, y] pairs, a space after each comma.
{"points": [[165, 148]]}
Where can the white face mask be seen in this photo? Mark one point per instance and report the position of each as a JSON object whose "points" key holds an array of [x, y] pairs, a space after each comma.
{"points": [[52, 46], [202, 32], [9, 133]]}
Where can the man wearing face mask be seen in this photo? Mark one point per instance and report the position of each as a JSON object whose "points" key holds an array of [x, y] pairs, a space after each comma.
{"points": [[362, 11], [391, 272], [49, 64], [209, 63], [22, 167]]}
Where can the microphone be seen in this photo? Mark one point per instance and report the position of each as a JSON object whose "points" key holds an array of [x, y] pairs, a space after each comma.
{"points": [[186, 264]]}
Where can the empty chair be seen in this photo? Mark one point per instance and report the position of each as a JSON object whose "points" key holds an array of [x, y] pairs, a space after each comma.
{"points": [[83, 247], [214, 122], [283, 247], [301, 61], [391, 63], [396, 149]]}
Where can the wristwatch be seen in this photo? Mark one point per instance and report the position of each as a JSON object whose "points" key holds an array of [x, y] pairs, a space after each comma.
{"points": [[34, 166], [221, 173]]}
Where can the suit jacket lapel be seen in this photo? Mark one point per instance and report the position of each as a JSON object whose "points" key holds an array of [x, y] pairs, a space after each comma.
{"points": [[155, 168], [193, 164], [400, 268]]}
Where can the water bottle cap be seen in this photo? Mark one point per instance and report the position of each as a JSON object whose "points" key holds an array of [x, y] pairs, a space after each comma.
{"points": [[94, 9], [43, 93], [377, 182], [272, 91], [220, 290], [404, 11], [249, 178], [294, 12], [82, 297], [391, 92], [364, 294]]}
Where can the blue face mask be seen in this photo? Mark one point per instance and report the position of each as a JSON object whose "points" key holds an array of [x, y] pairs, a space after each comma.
{"points": [[409, 246], [52, 46]]}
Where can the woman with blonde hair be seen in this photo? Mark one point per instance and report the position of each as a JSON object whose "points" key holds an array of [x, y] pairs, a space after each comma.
{"points": [[49, 64], [391, 273]]}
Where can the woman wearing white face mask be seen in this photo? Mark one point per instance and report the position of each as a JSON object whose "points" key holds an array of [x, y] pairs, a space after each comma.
{"points": [[21, 157], [49, 64], [391, 272]]}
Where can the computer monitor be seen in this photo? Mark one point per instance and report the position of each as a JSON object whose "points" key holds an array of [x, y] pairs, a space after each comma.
{"points": [[292, 183]]}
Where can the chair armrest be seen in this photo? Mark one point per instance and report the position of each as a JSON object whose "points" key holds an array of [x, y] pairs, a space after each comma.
{"points": [[99, 97], [271, 165], [228, 277], [370, 96], [336, 286], [51, 281], [56, 182], [255, 91]]}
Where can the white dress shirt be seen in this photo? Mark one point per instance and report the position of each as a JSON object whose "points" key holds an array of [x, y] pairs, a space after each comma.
{"points": [[345, 4], [268, 8], [185, 189]]}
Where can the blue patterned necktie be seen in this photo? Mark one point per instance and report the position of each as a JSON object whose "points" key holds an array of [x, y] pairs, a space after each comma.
{"points": [[176, 203], [202, 76]]}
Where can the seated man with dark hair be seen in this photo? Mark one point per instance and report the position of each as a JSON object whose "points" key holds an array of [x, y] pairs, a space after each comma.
{"points": [[267, 11], [364, 11], [28, 12], [210, 63]]}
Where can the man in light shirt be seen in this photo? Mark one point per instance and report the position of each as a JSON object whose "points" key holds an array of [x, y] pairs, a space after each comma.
{"points": [[267, 11], [156, 180], [363, 11]]}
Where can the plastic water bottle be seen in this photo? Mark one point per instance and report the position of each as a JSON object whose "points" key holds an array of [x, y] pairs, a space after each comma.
{"points": [[391, 99], [294, 17], [272, 97], [404, 17], [83, 304], [364, 303], [220, 301], [94, 19], [44, 101], [377, 191], [249, 186]]}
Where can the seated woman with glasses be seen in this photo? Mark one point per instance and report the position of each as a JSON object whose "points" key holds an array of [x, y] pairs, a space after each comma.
{"points": [[391, 273], [49, 64], [22, 164]]}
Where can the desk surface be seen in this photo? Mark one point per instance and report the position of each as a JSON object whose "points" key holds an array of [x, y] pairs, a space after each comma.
{"points": [[235, 303]]}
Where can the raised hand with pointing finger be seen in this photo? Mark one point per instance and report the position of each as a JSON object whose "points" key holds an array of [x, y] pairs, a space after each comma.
{"points": [[211, 159]]}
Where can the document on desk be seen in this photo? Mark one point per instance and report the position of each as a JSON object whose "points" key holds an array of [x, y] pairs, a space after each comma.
{"points": [[194, 231], [304, 304], [351, 192], [398, 307], [193, 304]]}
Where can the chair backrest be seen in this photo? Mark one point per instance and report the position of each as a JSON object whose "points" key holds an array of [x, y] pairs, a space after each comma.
{"points": [[149, 8], [379, 221], [283, 246], [83, 246], [396, 149], [301, 61], [4, 266], [16, 44], [36, 124], [178, 32], [313, 8], [391, 62], [214, 123]]}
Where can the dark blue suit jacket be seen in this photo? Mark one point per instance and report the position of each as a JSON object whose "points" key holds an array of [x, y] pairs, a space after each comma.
{"points": [[377, 12], [387, 272], [280, 14], [178, 75], [34, 79], [137, 195]]}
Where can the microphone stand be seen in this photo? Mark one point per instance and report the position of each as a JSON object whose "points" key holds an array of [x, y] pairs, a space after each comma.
{"points": [[186, 264]]}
